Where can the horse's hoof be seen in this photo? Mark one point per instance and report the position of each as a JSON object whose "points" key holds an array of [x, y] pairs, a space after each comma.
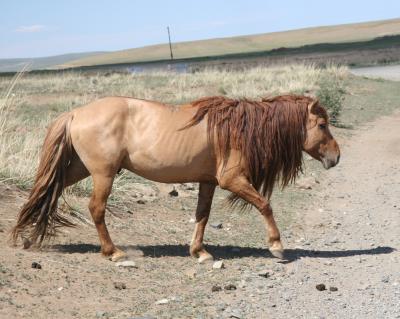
{"points": [[278, 253], [277, 250], [204, 257], [118, 255]]}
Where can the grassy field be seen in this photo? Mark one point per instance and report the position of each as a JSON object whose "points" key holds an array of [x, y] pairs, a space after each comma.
{"points": [[32, 101], [249, 44], [36, 99]]}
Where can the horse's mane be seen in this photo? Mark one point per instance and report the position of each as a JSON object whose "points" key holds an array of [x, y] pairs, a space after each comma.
{"points": [[269, 134]]}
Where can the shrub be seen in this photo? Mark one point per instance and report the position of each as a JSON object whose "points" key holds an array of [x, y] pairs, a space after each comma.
{"points": [[331, 95]]}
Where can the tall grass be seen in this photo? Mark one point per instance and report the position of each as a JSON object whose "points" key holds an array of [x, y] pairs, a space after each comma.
{"points": [[30, 102]]}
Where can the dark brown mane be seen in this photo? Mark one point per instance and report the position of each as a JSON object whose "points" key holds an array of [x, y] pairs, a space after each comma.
{"points": [[270, 134]]}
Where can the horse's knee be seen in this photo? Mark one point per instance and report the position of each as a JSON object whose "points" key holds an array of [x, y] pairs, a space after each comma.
{"points": [[266, 209]]}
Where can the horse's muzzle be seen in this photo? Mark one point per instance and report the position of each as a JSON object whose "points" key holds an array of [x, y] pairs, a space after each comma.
{"points": [[330, 161]]}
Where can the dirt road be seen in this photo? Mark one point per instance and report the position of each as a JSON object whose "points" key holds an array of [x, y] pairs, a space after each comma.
{"points": [[389, 72], [346, 235]]}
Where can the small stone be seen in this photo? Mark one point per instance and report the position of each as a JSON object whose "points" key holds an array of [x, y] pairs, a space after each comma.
{"points": [[162, 301], [101, 314], [173, 193], [119, 285], [320, 287], [264, 274], [218, 264], [385, 279], [36, 265], [192, 220], [333, 288], [235, 313], [216, 288], [191, 273], [216, 225], [60, 288], [126, 264], [141, 202], [230, 287]]}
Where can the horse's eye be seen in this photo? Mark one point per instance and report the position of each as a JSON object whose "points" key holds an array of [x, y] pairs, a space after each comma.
{"points": [[322, 126]]}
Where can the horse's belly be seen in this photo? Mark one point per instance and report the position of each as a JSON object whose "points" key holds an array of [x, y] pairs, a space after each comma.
{"points": [[173, 168]]}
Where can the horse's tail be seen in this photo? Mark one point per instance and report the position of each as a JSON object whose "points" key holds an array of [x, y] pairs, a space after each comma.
{"points": [[39, 217]]}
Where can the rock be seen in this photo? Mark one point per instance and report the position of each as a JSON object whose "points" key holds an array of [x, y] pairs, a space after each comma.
{"points": [[230, 287], [141, 202], [264, 274], [216, 225], [126, 264], [192, 220], [191, 273], [119, 285], [218, 264], [36, 265], [101, 314], [306, 183], [173, 193], [385, 279], [320, 287], [333, 288], [235, 313], [162, 301], [216, 288]]}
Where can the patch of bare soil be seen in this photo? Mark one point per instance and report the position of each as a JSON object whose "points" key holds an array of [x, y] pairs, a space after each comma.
{"points": [[344, 238]]}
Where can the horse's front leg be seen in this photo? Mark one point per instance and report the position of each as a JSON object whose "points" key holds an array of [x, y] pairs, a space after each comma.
{"points": [[206, 193], [242, 187]]}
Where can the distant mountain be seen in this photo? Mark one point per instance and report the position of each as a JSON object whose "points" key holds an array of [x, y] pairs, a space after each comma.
{"points": [[12, 65], [219, 47]]}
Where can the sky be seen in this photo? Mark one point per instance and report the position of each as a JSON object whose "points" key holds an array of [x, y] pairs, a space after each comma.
{"points": [[35, 28]]}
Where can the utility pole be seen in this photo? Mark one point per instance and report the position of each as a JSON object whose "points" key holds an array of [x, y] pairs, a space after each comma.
{"points": [[170, 46]]}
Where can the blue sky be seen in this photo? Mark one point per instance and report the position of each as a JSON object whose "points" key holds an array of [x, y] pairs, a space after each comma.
{"points": [[34, 28]]}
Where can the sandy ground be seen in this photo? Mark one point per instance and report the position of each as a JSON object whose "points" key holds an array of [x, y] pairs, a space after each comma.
{"points": [[345, 235]]}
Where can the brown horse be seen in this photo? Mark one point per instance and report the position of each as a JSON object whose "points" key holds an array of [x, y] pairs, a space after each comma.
{"points": [[241, 145]]}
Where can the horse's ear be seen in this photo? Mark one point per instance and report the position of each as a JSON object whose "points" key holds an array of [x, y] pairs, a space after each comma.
{"points": [[312, 107]]}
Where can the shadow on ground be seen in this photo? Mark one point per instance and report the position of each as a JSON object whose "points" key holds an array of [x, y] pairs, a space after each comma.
{"points": [[224, 252]]}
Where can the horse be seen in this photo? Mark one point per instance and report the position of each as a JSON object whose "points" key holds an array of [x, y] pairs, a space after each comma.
{"points": [[241, 145]]}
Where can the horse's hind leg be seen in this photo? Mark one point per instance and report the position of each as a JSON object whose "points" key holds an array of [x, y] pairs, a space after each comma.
{"points": [[241, 187], [101, 190], [206, 193]]}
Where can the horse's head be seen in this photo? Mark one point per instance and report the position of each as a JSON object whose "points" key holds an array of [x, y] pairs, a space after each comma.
{"points": [[320, 143]]}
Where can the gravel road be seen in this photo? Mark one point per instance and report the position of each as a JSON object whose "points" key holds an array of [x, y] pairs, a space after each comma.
{"points": [[345, 239], [388, 72]]}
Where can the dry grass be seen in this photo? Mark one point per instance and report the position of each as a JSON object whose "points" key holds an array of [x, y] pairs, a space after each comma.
{"points": [[30, 102]]}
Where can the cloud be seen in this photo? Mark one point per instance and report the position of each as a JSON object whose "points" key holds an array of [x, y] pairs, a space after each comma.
{"points": [[30, 28]]}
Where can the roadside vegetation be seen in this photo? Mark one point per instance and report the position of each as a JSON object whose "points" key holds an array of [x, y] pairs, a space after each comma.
{"points": [[30, 102]]}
